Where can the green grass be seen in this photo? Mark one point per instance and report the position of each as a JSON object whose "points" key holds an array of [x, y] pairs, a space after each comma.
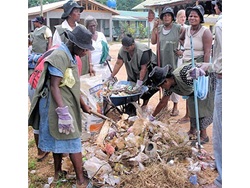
{"points": [[32, 164], [31, 143]]}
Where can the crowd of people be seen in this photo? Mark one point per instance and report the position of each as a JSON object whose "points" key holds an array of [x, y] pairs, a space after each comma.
{"points": [[183, 56]]}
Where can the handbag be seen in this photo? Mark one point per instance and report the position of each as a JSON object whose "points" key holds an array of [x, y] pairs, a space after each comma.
{"points": [[202, 87]]}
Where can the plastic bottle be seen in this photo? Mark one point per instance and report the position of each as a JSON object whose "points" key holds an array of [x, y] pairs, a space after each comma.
{"points": [[193, 179]]}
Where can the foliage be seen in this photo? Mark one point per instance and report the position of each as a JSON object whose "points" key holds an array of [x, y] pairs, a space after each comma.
{"points": [[33, 3], [121, 4], [131, 30], [127, 29], [142, 31]]}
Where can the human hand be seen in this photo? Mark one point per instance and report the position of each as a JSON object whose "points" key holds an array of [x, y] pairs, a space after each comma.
{"points": [[86, 108], [194, 73], [111, 81], [139, 83], [156, 23], [151, 117], [137, 86], [178, 53], [65, 120], [91, 70]]}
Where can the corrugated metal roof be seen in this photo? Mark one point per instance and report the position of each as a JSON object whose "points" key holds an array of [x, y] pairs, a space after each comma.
{"points": [[51, 6], [117, 17], [47, 7], [141, 5], [135, 14], [162, 2]]}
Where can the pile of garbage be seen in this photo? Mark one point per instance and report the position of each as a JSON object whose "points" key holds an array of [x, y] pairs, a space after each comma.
{"points": [[135, 152]]}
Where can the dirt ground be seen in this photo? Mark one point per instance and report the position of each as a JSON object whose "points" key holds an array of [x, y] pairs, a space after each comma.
{"points": [[41, 171]]}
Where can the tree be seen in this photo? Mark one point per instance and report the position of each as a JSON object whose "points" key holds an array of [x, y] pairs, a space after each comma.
{"points": [[33, 3]]}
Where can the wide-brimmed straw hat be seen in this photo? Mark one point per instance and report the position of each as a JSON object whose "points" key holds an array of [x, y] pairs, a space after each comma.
{"points": [[81, 37], [68, 7], [199, 9], [159, 74]]}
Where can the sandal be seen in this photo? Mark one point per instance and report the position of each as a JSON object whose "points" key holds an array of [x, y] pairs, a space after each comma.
{"points": [[174, 113], [204, 140], [183, 120], [42, 156], [61, 177]]}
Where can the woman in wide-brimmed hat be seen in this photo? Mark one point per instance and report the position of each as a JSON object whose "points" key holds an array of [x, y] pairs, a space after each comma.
{"points": [[202, 45], [71, 15], [41, 37], [57, 114], [166, 36]]}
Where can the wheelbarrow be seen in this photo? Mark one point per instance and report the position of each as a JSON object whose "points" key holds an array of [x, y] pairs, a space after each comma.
{"points": [[122, 103]]}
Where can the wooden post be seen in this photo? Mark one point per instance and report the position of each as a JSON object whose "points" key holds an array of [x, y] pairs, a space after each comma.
{"points": [[41, 5]]}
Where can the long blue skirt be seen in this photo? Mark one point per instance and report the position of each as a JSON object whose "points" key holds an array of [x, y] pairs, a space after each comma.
{"points": [[47, 142]]}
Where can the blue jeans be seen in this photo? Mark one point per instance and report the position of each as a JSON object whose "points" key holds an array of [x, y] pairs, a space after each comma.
{"points": [[217, 131]]}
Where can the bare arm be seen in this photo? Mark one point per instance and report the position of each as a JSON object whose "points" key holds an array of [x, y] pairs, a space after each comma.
{"points": [[55, 91], [207, 39], [154, 33], [182, 36], [84, 106], [117, 67], [143, 71], [91, 70], [49, 43]]}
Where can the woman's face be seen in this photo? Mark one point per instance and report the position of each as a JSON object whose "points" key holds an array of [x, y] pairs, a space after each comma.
{"points": [[80, 52], [194, 18], [216, 8], [128, 48], [75, 14], [92, 26], [167, 19], [166, 84], [182, 18]]}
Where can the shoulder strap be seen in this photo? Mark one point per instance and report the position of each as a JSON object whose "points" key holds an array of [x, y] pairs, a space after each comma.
{"points": [[59, 29]]}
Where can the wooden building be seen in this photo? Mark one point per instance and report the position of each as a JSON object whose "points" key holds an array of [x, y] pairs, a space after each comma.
{"points": [[53, 11]]}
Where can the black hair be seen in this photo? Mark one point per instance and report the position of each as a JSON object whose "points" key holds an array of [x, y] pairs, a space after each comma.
{"points": [[128, 40], [219, 4]]}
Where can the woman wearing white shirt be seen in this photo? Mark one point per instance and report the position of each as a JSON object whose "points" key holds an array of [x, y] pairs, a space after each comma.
{"points": [[98, 56], [181, 19], [71, 15]]}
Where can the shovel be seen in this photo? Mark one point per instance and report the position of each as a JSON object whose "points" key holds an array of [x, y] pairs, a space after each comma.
{"points": [[195, 98]]}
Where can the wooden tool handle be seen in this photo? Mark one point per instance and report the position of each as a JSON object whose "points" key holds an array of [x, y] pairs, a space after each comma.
{"points": [[99, 115]]}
